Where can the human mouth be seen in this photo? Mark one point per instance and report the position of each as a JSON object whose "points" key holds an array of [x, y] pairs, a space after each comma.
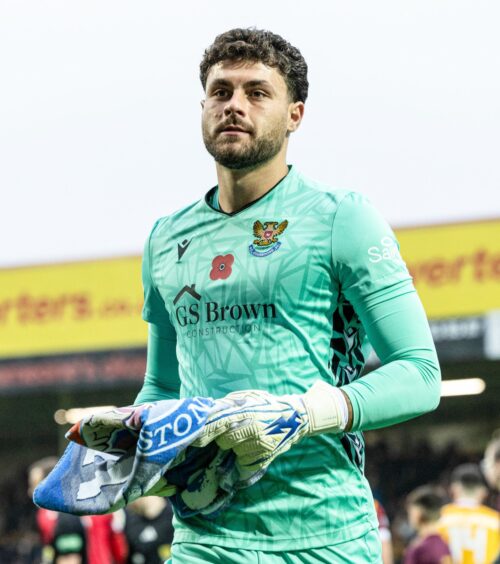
{"points": [[234, 133], [234, 130]]}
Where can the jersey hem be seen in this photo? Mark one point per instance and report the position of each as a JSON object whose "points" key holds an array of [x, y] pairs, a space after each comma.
{"points": [[275, 544]]}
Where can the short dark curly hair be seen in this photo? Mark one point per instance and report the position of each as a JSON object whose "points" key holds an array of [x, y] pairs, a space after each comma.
{"points": [[259, 46]]}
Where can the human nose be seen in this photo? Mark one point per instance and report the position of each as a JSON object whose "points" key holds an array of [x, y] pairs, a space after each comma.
{"points": [[235, 104]]}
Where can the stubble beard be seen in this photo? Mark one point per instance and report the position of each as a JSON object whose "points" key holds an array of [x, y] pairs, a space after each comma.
{"points": [[231, 153]]}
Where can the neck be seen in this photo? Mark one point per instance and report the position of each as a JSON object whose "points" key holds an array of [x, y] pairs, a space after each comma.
{"points": [[237, 188], [468, 502], [427, 529]]}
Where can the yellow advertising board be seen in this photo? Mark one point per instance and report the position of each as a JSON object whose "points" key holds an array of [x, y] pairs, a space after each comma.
{"points": [[92, 306], [456, 267], [71, 307]]}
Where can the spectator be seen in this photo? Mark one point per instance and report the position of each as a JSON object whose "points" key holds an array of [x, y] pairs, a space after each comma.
{"points": [[385, 534], [62, 536], [470, 527], [491, 467], [68, 539], [491, 463], [149, 531], [424, 509], [106, 542]]}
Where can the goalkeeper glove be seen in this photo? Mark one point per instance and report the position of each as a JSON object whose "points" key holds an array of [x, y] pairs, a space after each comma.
{"points": [[259, 426]]}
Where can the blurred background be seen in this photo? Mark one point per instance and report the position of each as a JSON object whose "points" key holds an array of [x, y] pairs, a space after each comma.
{"points": [[100, 136]]}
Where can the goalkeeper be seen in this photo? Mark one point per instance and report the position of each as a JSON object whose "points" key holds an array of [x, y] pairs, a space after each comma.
{"points": [[275, 284]]}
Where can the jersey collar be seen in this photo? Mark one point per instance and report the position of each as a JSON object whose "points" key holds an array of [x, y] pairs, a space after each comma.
{"points": [[214, 193]]}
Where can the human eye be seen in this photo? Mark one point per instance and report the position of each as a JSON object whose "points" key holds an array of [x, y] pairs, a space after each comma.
{"points": [[220, 93], [258, 94]]}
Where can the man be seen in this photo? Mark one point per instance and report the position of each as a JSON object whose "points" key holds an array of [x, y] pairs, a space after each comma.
{"points": [[69, 539], [148, 529], [492, 462], [470, 528], [62, 535], [271, 282], [491, 469], [384, 530], [424, 509]]}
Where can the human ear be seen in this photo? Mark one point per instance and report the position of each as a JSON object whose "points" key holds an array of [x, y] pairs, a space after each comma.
{"points": [[295, 115]]}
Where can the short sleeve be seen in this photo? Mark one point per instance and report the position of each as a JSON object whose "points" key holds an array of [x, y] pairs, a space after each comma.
{"points": [[154, 310], [365, 251]]}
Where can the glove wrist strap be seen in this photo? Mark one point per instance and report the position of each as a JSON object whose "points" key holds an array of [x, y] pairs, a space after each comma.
{"points": [[326, 408]]}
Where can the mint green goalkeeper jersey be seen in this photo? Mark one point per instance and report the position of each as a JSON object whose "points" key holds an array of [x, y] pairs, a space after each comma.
{"points": [[273, 297]]}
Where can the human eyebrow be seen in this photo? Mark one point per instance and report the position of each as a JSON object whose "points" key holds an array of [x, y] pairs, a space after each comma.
{"points": [[219, 83], [259, 83], [223, 83]]}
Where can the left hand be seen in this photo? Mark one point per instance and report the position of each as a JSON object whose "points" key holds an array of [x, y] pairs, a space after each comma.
{"points": [[259, 426]]}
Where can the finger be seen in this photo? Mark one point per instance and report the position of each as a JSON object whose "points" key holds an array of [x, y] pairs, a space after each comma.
{"points": [[254, 460], [219, 425], [248, 476], [242, 432], [250, 450]]}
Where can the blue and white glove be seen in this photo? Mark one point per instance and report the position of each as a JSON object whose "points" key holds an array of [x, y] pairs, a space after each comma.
{"points": [[259, 426]]}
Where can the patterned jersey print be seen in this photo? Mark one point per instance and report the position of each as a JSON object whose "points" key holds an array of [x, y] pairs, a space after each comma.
{"points": [[266, 298]]}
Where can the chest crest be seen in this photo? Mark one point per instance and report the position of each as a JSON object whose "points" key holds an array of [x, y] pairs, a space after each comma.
{"points": [[266, 237]]}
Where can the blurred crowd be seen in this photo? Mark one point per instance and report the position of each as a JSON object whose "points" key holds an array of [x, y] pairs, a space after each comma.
{"points": [[437, 508], [432, 506], [140, 534]]}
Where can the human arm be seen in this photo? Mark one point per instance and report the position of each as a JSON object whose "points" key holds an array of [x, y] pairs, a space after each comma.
{"points": [[387, 551], [374, 279], [408, 382], [162, 369]]}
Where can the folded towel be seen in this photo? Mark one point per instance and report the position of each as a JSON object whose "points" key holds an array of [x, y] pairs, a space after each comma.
{"points": [[126, 453]]}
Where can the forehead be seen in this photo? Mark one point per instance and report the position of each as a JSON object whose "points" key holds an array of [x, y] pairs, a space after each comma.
{"points": [[239, 72]]}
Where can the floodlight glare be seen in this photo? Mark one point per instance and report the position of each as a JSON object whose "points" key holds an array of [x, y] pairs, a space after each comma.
{"points": [[462, 387], [73, 415]]}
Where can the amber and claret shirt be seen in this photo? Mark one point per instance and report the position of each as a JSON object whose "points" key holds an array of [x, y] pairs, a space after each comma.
{"points": [[472, 532]]}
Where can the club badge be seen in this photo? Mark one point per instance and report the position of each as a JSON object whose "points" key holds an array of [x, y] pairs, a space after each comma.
{"points": [[266, 241]]}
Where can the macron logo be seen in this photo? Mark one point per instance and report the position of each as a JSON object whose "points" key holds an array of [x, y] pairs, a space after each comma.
{"points": [[182, 248]]}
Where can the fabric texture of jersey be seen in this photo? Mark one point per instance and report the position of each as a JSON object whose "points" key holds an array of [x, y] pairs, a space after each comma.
{"points": [[273, 297], [363, 550]]}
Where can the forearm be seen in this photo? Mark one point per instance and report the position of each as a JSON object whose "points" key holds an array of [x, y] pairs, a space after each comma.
{"points": [[162, 370], [408, 383], [393, 393], [381, 291], [154, 390]]}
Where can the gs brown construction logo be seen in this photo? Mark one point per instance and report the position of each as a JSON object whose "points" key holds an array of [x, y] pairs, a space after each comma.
{"points": [[212, 312]]}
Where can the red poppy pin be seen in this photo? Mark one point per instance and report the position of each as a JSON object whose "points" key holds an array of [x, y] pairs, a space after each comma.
{"points": [[221, 267]]}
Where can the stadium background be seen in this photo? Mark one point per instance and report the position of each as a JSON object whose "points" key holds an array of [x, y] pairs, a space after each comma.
{"points": [[97, 136]]}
